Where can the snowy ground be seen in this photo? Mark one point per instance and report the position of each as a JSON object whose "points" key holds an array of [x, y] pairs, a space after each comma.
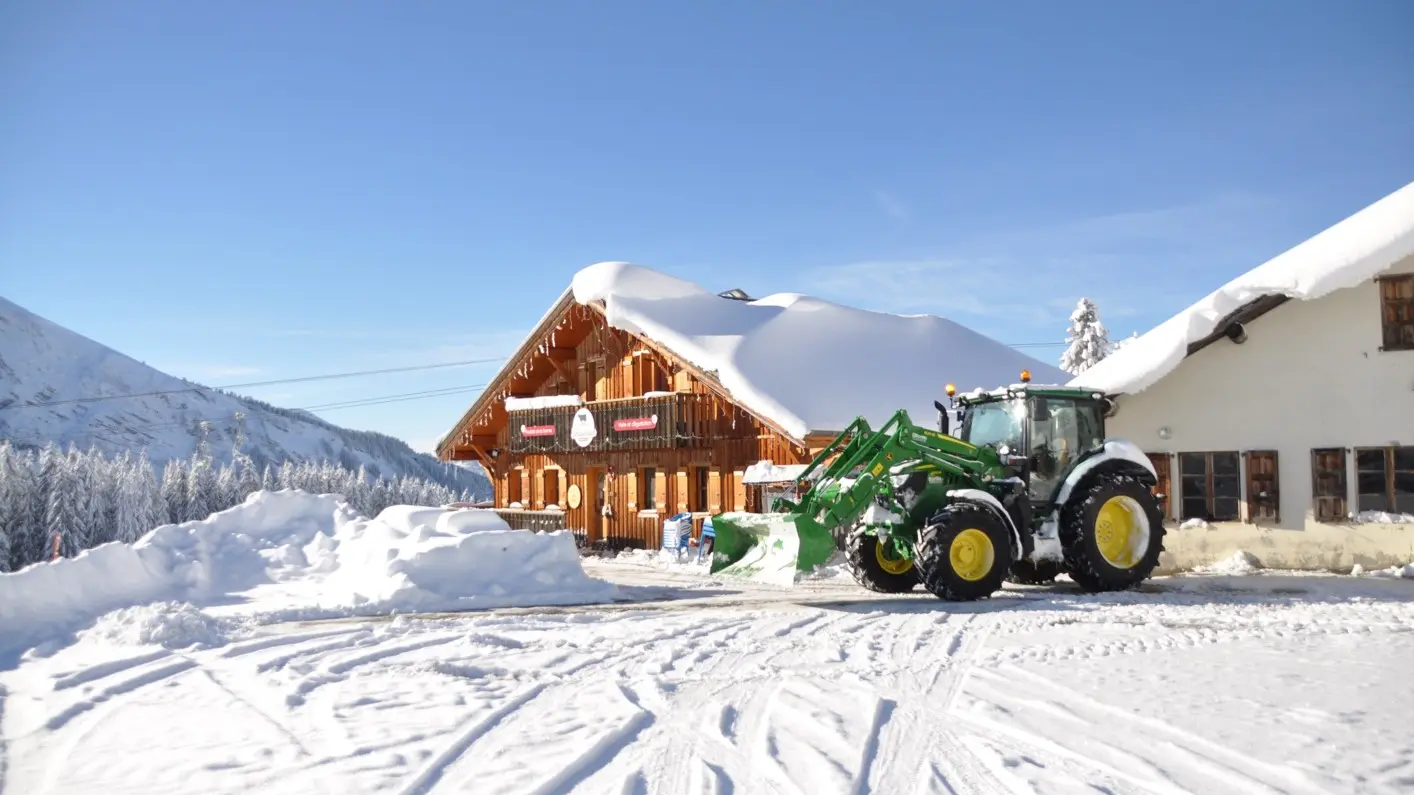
{"points": [[1221, 684]]}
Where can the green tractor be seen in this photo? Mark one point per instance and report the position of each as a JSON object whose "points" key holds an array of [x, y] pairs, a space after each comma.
{"points": [[1029, 487]]}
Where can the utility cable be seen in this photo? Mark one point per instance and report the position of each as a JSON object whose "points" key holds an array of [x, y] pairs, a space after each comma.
{"points": [[302, 379]]}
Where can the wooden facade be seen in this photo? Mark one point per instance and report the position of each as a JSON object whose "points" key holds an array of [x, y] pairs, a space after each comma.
{"points": [[667, 437]]}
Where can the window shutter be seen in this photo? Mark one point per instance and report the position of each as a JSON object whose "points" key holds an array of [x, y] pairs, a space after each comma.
{"points": [[1263, 487], [1328, 486], [738, 491], [631, 489], [682, 491], [714, 491]]}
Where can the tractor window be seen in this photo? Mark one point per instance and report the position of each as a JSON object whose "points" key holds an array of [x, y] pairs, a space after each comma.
{"points": [[1061, 431], [994, 424]]}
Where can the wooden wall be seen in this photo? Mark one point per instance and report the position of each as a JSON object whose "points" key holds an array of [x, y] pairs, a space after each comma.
{"points": [[610, 365]]}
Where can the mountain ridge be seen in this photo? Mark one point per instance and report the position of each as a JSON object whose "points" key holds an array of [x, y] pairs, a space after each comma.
{"points": [[42, 362]]}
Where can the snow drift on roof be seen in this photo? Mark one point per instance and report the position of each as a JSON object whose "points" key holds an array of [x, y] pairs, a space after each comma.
{"points": [[802, 362], [1345, 255]]}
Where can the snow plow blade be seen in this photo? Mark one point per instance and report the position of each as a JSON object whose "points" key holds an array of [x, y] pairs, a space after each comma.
{"points": [[769, 547]]}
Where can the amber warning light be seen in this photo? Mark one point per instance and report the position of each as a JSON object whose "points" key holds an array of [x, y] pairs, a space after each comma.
{"points": [[951, 390], [1025, 376]]}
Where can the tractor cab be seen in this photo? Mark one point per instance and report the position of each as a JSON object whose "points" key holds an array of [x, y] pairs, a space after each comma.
{"points": [[1038, 432]]}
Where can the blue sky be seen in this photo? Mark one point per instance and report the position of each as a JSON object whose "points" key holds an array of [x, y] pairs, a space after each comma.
{"points": [[236, 191]]}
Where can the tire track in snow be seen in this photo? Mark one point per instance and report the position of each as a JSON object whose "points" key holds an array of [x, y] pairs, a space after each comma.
{"points": [[105, 669], [152, 675], [431, 773], [1236, 769]]}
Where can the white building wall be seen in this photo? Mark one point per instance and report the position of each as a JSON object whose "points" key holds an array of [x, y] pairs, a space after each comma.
{"points": [[1309, 375]]}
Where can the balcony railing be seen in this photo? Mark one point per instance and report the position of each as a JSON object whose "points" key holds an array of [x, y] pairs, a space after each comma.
{"points": [[637, 423]]}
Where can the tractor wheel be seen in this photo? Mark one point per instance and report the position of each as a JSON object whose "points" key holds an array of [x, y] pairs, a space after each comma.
{"points": [[964, 553], [876, 567], [1029, 572], [1112, 534]]}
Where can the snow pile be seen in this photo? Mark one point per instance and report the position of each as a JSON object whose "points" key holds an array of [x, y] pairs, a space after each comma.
{"points": [[288, 554], [1381, 517], [1239, 562], [1345, 255], [765, 471], [1405, 572], [802, 362], [173, 625]]}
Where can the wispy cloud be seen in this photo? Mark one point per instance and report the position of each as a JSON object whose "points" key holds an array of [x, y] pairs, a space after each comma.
{"points": [[892, 206], [1130, 263]]}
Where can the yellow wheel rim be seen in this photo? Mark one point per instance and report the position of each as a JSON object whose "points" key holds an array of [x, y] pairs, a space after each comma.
{"points": [[972, 554], [1121, 532], [890, 565]]}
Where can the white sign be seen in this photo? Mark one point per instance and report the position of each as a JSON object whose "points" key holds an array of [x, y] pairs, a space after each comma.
{"points": [[582, 429]]}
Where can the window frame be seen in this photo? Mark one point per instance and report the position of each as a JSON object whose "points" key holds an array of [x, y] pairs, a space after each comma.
{"points": [[1341, 497], [699, 489], [550, 488], [1391, 331], [1210, 479], [1390, 470], [648, 490]]}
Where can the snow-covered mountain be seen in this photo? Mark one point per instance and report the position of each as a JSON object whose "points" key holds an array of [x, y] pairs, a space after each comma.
{"points": [[44, 363]]}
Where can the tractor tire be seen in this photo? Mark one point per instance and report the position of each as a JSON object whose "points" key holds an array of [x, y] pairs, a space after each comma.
{"points": [[875, 570], [964, 553], [1112, 533], [1029, 572]]}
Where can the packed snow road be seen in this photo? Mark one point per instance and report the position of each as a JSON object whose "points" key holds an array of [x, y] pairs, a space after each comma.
{"points": [[1203, 685]]}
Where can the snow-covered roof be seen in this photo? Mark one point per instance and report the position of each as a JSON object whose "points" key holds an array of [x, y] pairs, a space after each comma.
{"points": [[804, 363], [1345, 255]]}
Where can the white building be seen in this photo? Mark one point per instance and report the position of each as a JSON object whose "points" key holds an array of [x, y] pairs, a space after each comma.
{"points": [[1279, 410]]}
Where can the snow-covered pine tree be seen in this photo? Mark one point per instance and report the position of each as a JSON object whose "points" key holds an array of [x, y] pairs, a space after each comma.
{"points": [[201, 490], [268, 481], [110, 477], [26, 532], [174, 491], [1087, 337], [64, 512], [247, 479], [10, 501], [152, 506], [90, 495], [289, 478], [226, 485]]}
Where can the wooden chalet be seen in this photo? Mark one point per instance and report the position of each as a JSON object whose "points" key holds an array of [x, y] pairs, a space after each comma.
{"points": [[606, 433]]}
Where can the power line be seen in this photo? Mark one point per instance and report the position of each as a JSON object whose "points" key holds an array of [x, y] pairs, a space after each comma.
{"points": [[349, 404], [302, 379]]}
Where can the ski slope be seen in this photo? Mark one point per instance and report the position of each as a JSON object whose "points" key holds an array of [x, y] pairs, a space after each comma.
{"points": [[1200, 684]]}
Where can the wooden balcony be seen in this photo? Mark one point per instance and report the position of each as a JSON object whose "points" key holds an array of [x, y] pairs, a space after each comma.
{"points": [[658, 422]]}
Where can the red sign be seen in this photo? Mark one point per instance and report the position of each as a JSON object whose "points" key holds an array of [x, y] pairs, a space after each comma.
{"points": [[537, 430], [636, 423]]}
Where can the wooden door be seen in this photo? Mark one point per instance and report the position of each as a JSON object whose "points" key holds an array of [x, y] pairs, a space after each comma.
{"points": [[594, 504]]}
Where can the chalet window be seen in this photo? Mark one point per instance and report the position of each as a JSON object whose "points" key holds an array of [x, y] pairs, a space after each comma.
{"points": [[1384, 478], [1328, 487], [1263, 489], [1212, 485], [1397, 312], [647, 489], [1164, 487], [552, 487], [698, 501]]}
